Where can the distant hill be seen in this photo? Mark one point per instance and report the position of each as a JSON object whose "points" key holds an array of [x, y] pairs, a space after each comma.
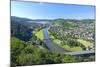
{"points": [[29, 20], [25, 21], [21, 31], [88, 20], [71, 22], [20, 19]]}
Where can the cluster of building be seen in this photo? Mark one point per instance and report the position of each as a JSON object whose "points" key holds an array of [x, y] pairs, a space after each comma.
{"points": [[81, 31]]}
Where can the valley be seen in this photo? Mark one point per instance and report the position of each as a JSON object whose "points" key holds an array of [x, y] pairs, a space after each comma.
{"points": [[57, 39]]}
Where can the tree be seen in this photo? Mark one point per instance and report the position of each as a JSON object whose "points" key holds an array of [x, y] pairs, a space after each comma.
{"points": [[20, 30], [16, 47]]}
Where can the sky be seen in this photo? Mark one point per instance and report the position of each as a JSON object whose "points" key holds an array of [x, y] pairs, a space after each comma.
{"points": [[38, 10]]}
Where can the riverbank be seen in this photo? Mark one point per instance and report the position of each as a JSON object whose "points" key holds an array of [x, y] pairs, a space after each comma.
{"points": [[39, 34], [66, 47]]}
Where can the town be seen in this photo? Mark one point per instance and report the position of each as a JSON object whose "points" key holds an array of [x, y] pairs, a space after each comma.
{"points": [[79, 30]]}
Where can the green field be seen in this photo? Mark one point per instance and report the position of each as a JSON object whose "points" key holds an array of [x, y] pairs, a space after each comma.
{"points": [[66, 47], [85, 43], [72, 49], [39, 34]]}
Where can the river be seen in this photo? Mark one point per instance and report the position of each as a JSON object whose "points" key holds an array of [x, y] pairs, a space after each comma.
{"points": [[53, 47]]}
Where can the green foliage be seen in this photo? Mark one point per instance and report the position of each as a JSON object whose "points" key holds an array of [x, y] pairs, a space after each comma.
{"points": [[16, 46], [85, 43], [85, 58], [20, 30], [39, 34], [73, 43], [68, 59], [27, 54], [65, 22], [24, 59], [67, 42]]}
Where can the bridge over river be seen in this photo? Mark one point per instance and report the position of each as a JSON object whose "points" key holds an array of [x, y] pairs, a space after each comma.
{"points": [[53, 47]]}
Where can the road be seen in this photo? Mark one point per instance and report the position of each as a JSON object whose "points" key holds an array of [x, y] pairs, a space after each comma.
{"points": [[92, 52]]}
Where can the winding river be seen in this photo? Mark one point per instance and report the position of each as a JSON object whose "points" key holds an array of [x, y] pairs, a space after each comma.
{"points": [[53, 47]]}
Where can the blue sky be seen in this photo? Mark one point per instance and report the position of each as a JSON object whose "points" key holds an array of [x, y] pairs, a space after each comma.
{"points": [[51, 11]]}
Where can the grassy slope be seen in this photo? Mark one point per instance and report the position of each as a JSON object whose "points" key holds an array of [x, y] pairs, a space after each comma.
{"points": [[85, 43], [65, 46], [39, 34]]}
